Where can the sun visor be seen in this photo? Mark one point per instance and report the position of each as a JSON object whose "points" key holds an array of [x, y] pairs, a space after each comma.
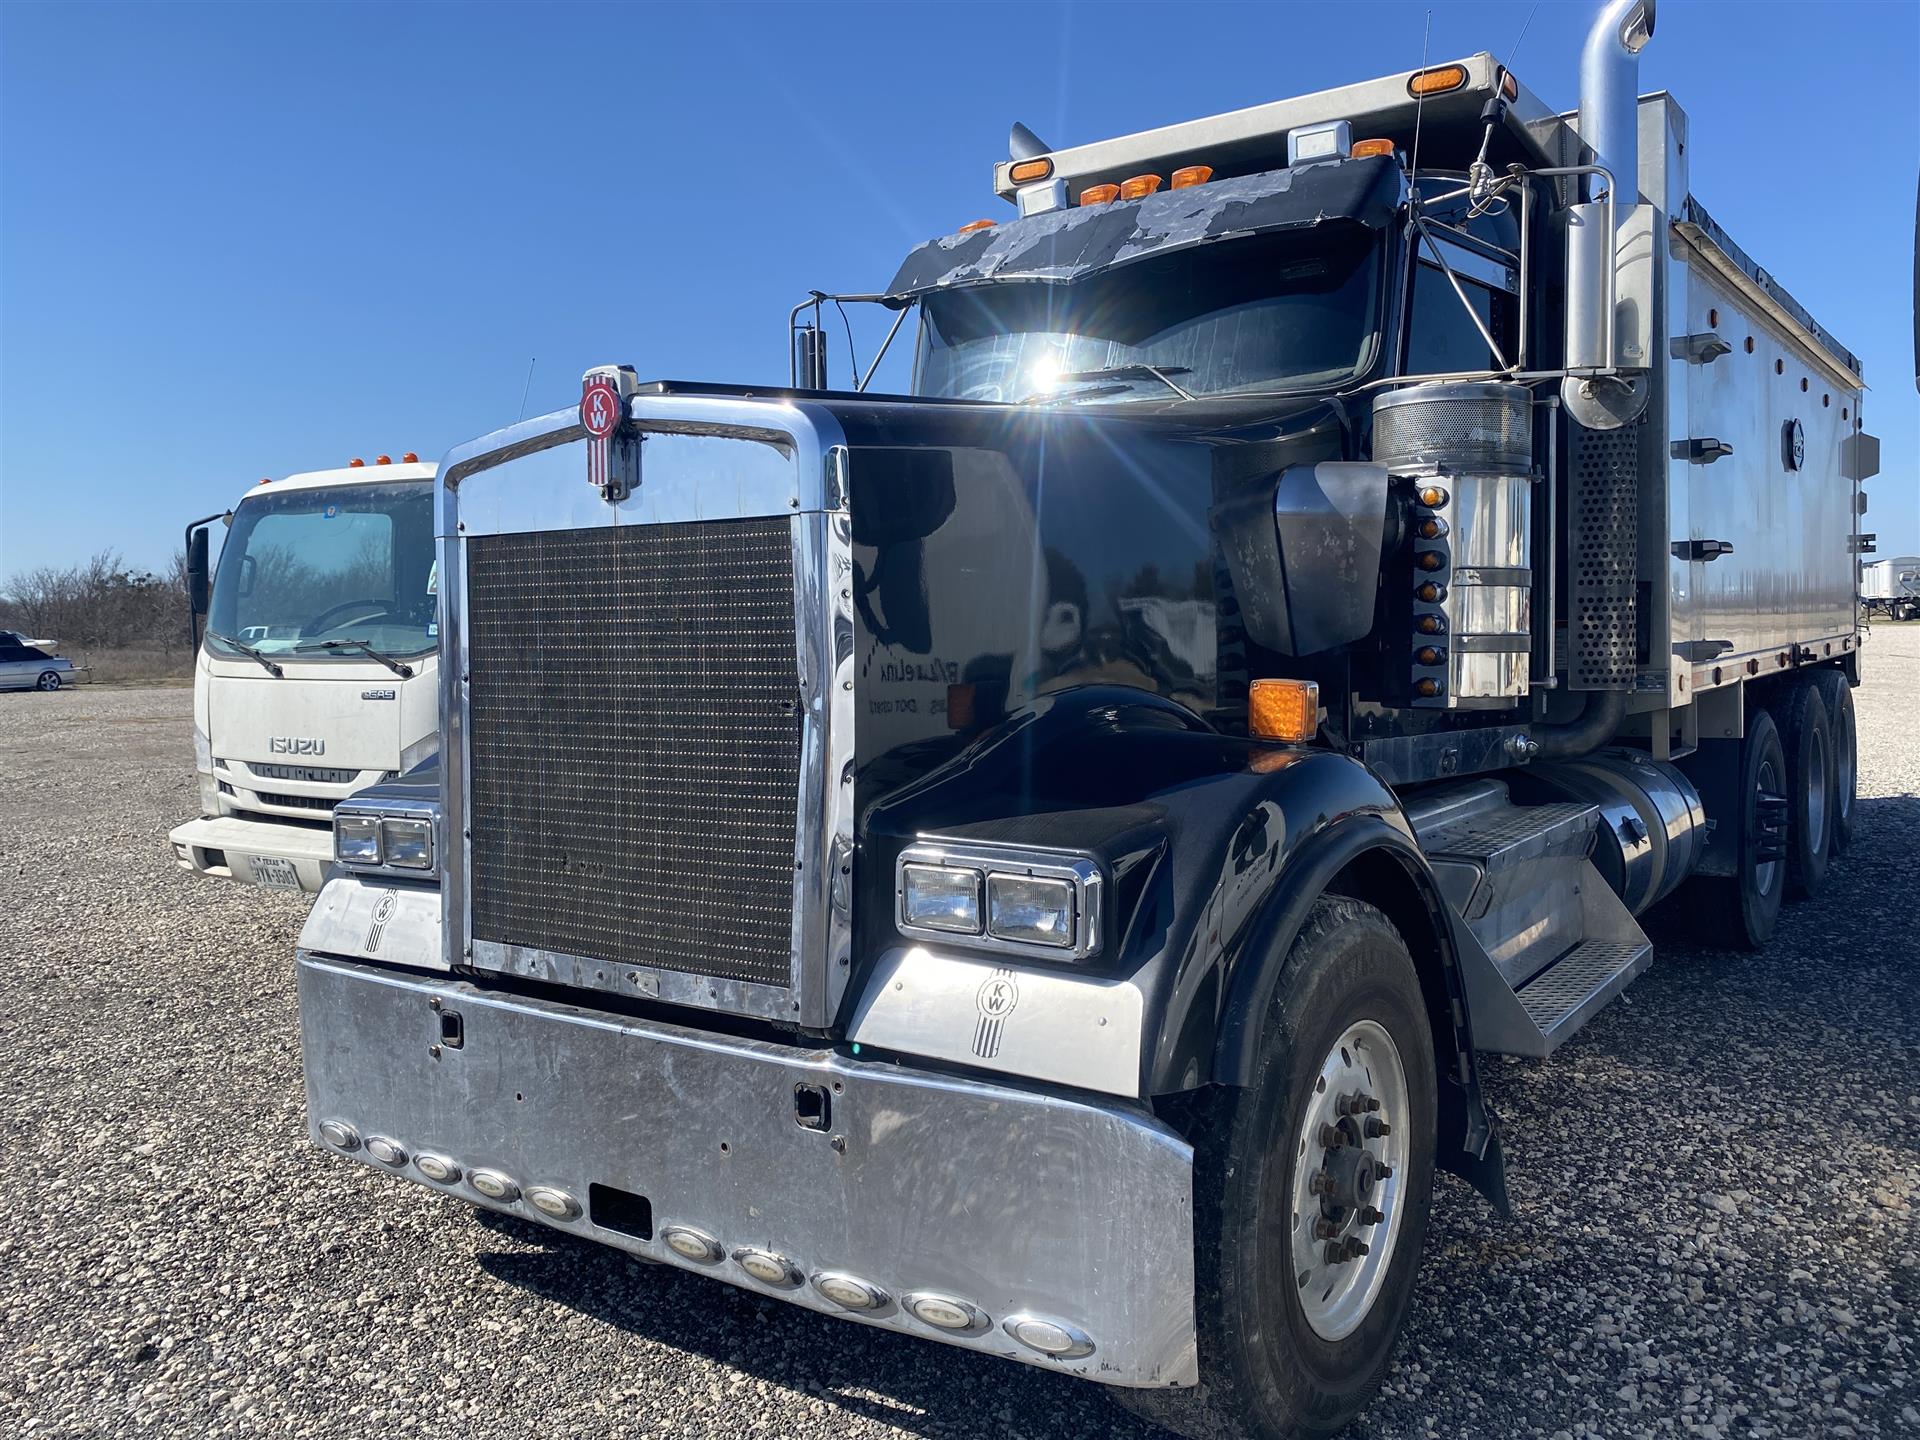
{"points": [[1063, 245]]}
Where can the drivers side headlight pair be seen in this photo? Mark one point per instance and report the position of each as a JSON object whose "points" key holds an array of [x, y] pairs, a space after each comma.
{"points": [[1024, 902], [399, 841]]}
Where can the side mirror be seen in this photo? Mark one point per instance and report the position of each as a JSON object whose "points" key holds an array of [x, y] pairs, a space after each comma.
{"points": [[197, 579]]}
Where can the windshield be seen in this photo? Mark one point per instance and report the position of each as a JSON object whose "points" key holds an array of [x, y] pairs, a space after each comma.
{"points": [[352, 562], [1287, 312]]}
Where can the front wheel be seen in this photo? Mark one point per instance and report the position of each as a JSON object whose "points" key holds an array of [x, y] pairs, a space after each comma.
{"points": [[49, 680], [1311, 1192]]}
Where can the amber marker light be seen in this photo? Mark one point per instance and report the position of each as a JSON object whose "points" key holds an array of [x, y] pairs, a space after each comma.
{"points": [[1099, 194], [1365, 149], [1188, 176], [1438, 80], [1287, 710], [1027, 171], [976, 225], [1432, 496], [410, 458], [1138, 187]]}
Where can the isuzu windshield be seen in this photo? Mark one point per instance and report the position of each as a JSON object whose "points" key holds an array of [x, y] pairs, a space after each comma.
{"points": [[351, 565]]}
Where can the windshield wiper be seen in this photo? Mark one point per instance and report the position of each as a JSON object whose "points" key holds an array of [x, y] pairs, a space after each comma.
{"points": [[248, 651], [403, 671], [1162, 373]]}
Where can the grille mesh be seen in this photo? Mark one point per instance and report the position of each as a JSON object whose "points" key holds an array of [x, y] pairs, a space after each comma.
{"points": [[634, 743]]}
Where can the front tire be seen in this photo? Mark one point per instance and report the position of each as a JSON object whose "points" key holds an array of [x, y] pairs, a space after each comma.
{"points": [[1295, 1342], [49, 681]]}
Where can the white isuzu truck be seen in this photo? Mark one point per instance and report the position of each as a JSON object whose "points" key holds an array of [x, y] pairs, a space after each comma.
{"points": [[316, 673]]}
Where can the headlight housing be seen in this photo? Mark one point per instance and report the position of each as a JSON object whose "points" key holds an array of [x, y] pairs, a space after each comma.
{"points": [[356, 839], [1022, 902], [367, 839]]}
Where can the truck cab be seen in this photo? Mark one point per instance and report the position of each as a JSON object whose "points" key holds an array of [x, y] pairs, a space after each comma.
{"points": [[316, 673]]}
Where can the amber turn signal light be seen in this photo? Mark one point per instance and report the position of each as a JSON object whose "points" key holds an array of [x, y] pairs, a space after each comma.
{"points": [[1187, 176], [1025, 172], [1139, 186], [1283, 709], [1438, 80], [1099, 194]]}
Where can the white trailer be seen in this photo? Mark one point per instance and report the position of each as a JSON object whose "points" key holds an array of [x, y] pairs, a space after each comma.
{"points": [[1891, 587], [317, 674]]}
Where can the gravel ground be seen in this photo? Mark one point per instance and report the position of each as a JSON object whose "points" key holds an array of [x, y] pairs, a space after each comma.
{"points": [[1715, 1186]]}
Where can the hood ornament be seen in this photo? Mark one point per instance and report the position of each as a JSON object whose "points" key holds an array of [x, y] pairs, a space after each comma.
{"points": [[613, 445]]}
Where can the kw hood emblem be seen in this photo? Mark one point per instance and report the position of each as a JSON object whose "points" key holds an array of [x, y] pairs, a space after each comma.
{"points": [[613, 447]]}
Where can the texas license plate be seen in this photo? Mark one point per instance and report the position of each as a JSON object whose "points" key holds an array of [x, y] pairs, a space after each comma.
{"points": [[271, 870]]}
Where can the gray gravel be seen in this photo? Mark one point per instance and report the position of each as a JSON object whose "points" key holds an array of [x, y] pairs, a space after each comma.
{"points": [[1715, 1186]]}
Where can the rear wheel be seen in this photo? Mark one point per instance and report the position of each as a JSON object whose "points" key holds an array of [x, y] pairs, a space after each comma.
{"points": [[49, 680], [1838, 694], [1806, 736], [1740, 911], [1311, 1192]]}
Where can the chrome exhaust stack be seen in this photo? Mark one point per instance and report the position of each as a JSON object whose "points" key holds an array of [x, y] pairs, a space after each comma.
{"points": [[1596, 395]]}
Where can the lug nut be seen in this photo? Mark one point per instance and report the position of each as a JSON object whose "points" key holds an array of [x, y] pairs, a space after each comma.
{"points": [[1371, 1216], [1324, 1229], [1320, 1183], [1377, 1128], [1357, 1248], [1332, 1136], [1336, 1253], [1385, 1172]]}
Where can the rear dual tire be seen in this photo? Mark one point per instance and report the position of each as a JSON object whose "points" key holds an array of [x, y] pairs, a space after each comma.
{"points": [[1740, 911], [1806, 737], [1293, 1344]]}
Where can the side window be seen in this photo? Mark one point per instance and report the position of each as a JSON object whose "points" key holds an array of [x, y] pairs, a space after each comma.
{"points": [[1441, 338]]}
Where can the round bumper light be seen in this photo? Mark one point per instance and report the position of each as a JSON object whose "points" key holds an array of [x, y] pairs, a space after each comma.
{"points": [[850, 1292], [339, 1134], [493, 1185], [944, 1312], [552, 1203], [768, 1268], [437, 1168], [691, 1244], [1049, 1337], [387, 1152]]}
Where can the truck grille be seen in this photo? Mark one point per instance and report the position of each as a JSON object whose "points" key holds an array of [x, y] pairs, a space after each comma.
{"points": [[634, 745]]}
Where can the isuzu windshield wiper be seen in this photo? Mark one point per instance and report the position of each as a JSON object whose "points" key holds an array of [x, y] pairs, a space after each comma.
{"points": [[402, 670], [1162, 373], [248, 651]]}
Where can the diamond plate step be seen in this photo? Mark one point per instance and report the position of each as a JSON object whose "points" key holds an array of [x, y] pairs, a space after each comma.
{"points": [[1562, 997], [1508, 835]]}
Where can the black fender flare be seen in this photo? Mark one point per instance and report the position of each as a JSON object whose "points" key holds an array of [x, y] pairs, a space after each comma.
{"points": [[1349, 855]]}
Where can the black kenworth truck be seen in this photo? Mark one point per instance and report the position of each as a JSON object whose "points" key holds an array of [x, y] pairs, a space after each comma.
{"points": [[1030, 862]]}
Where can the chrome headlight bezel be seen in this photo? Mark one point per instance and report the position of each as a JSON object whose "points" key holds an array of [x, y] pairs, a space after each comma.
{"points": [[385, 826], [1080, 874]]}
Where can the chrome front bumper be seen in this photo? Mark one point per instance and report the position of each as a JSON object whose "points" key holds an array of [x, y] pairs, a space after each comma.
{"points": [[1014, 1203]]}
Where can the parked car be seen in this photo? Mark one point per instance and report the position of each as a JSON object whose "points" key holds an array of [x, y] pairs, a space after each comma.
{"points": [[28, 667], [14, 637]]}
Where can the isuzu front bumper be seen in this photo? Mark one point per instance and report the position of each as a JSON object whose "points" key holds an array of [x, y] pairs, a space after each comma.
{"points": [[1047, 1229], [256, 852]]}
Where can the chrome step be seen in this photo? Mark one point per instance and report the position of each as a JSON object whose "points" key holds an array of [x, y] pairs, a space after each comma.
{"points": [[1508, 835], [1565, 995]]}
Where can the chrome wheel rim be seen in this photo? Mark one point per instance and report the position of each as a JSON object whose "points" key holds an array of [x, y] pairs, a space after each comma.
{"points": [[1349, 1193], [1766, 873]]}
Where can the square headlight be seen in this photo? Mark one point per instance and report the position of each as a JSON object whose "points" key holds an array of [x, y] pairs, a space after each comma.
{"points": [[939, 897], [1030, 909], [407, 843], [356, 839]]}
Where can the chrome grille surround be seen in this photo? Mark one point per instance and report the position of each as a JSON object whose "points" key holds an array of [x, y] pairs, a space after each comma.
{"points": [[705, 461]]}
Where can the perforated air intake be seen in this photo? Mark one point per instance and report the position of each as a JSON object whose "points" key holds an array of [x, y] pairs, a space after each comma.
{"points": [[1603, 525]]}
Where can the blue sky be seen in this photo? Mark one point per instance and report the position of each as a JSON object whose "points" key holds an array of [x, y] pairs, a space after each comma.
{"points": [[240, 240]]}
